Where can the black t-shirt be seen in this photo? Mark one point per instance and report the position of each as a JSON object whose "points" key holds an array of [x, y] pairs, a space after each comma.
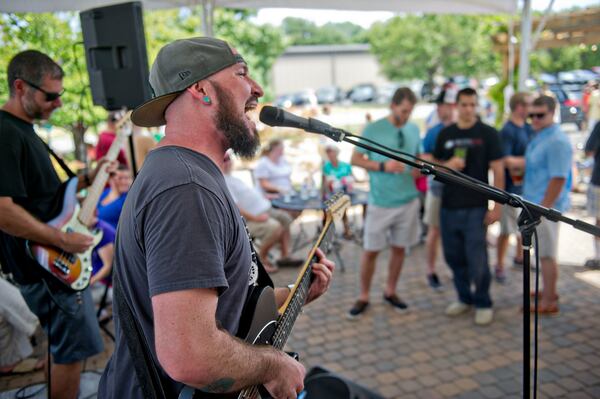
{"points": [[481, 143], [593, 145], [179, 229], [28, 177]]}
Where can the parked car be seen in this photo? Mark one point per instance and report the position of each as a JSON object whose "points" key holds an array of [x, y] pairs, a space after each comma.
{"points": [[386, 92], [362, 93], [299, 99], [570, 102], [329, 95]]}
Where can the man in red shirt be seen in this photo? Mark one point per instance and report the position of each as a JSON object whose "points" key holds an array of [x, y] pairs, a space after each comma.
{"points": [[106, 138]]}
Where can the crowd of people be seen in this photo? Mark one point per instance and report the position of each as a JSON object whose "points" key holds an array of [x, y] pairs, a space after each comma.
{"points": [[533, 160], [182, 236]]}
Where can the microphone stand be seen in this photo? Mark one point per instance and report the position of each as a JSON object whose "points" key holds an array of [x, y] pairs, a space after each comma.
{"points": [[528, 220]]}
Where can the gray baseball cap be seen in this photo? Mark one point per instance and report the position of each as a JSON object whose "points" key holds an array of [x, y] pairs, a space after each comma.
{"points": [[179, 65]]}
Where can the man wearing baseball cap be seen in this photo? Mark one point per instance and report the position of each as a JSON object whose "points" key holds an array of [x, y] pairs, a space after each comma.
{"points": [[183, 260]]}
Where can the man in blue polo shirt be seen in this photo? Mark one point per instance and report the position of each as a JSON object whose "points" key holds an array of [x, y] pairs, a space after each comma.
{"points": [[393, 213], [515, 136], [547, 165]]}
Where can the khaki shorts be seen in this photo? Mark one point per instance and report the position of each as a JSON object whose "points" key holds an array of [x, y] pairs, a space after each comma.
{"points": [[508, 221], [398, 227], [433, 203], [593, 201], [263, 230], [283, 217], [548, 239]]}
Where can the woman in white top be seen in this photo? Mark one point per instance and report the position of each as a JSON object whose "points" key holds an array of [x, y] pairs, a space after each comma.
{"points": [[272, 172]]}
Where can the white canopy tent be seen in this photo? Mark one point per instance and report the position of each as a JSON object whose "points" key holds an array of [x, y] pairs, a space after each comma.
{"points": [[407, 6], [430, 6]]}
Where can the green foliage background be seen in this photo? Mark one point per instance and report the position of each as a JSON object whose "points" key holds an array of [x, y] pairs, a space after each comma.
{"points": [[407, 47]]}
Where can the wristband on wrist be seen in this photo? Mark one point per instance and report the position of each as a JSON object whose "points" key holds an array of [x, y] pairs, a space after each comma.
{"points": [[290, 287], [86, 179], [382, 166]]}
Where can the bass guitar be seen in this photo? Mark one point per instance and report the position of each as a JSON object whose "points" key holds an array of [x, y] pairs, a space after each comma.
{"points": [[262, 323], [75, 270]]}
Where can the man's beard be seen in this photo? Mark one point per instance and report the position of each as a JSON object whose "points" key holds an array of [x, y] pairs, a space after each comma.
{"points": [[243, 140], [31, 108]]}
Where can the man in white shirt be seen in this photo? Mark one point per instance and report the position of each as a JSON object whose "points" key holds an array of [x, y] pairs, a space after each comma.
{"points": [[270, 226]]}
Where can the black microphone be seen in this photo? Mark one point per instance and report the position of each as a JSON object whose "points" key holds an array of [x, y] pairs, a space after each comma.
{"points": [[274, 116]]}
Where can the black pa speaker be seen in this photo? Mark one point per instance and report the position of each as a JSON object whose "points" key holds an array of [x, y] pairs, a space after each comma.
{"points": [[320, 383], [115, 52]]}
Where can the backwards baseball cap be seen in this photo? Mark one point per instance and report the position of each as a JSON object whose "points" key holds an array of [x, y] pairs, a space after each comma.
{"points": [[179, 65], [447, 96]]}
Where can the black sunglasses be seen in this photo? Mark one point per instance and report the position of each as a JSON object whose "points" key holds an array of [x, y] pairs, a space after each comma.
{"points": [[400, 138], [50, 96], [538, 115]]}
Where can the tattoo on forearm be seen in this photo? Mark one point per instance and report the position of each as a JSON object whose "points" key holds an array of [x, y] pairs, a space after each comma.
{"points": [[221, 385]]}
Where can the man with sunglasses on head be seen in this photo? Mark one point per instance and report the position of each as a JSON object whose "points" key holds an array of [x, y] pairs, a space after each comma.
{"points": [[393, 209], [547, 165], [30, 194], [473, 148]]}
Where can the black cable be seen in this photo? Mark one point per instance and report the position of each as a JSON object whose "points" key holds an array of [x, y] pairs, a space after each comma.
{"points": [[30, 395]]}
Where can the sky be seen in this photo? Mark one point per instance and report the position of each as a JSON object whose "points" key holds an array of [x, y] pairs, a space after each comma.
{"points": [[366, 18]]}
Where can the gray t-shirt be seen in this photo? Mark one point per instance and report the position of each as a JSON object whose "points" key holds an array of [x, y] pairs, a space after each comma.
{"points": [[179, 229]]}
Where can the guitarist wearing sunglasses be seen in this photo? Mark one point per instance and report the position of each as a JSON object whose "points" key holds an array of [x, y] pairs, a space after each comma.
{"points": [[183, 260], [31, 194]]}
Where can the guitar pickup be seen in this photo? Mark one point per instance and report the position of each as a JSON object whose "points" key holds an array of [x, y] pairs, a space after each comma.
{"points": [[61, 266]]}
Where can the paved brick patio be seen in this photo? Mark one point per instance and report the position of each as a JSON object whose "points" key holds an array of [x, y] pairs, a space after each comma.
{"points": [[424, 354]]}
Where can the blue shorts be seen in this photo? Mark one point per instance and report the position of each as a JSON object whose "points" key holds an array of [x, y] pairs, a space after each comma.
{"points": [[75, 335]]}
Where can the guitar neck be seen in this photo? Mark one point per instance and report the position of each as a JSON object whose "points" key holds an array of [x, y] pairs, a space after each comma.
{"points": [[293, 306], [88, 209]]}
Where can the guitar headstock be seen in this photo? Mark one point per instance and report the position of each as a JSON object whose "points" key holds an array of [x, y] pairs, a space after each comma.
{"points": [[124, 123], [336, 206]]}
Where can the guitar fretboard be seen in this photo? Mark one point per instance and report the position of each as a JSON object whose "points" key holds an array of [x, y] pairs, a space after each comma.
{"points": [[88, 209], [292, 311]]}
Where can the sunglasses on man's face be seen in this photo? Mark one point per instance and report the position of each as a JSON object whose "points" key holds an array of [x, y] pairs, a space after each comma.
{"points": [[538, 115], [50, 96]]}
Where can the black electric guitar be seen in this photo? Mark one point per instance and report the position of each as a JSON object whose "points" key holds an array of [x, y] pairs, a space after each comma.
{"points": [[262, 323]]}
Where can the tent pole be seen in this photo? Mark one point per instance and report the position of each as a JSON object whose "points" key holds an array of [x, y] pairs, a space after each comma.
{"points": [[208, 13], [541, 25], [525, 43], [511, 53]]}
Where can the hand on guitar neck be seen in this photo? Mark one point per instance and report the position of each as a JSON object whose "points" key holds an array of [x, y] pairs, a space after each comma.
{"points": [[322, 272], [86, 179]]}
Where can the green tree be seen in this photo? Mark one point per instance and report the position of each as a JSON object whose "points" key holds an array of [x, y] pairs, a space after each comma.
{"points": [[59, 36], [419, 47], [300, 31], [564, 59]]}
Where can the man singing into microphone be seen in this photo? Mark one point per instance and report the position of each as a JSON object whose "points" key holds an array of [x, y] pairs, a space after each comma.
{"points": [[393, 212], [182, 256]]}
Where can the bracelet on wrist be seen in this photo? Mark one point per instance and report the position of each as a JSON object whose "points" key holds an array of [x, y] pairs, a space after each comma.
{"points": [[382, 166], [86, 179]]}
